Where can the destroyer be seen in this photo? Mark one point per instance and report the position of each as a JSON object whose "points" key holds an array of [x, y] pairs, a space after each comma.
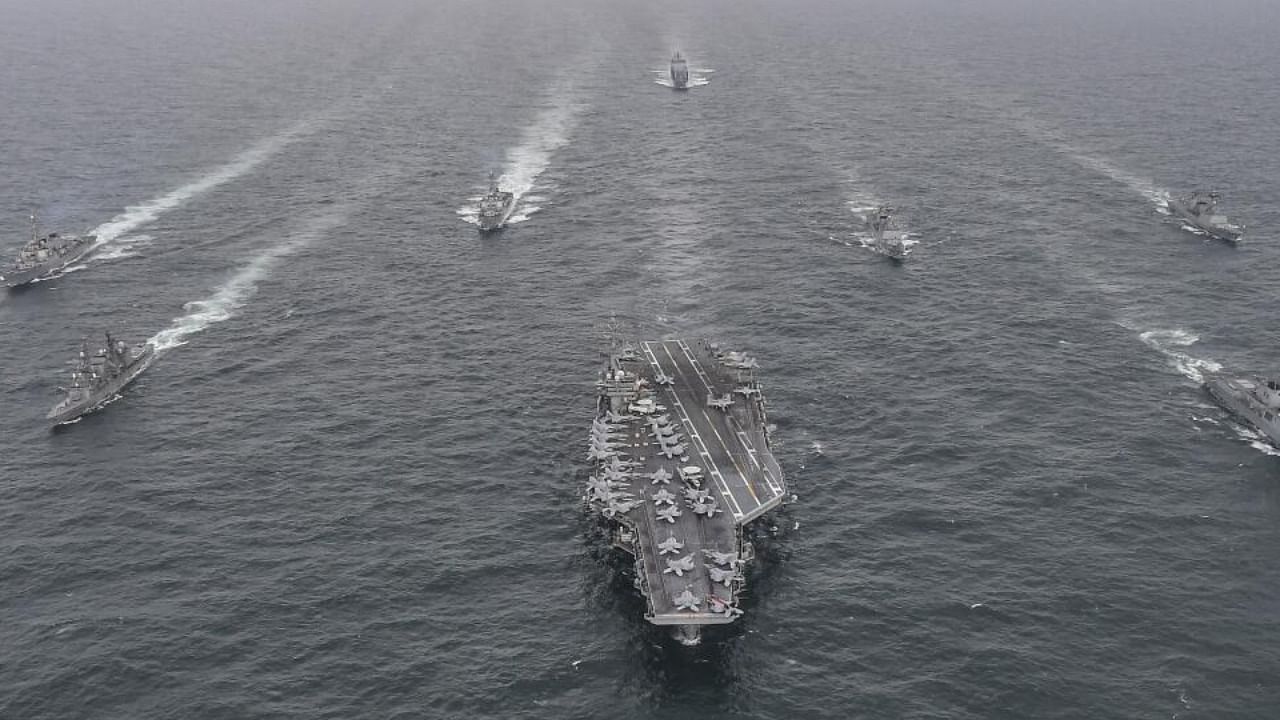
{"points": [[679, 72], [495, 206], [44, 256], [890, 239], [680, 464], [1200, 211], [99, 377], [1256, 401]]}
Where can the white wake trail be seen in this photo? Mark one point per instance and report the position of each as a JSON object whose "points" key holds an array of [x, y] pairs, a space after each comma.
{"points": [[525, 162], [1145, 187], [232, 296], [116, 231], [1170, 343]]}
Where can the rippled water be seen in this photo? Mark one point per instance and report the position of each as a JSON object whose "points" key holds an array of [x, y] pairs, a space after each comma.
{"points": [[349, 485]]}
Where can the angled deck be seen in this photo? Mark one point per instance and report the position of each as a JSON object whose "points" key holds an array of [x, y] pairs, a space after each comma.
{"points": [[726, 440]]}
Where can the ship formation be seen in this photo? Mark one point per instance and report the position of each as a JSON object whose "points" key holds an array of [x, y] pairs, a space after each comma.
{"points": [[99, 377], [680, 465], [45, 256]]}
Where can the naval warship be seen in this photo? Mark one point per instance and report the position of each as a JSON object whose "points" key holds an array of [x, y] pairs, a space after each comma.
{"points": [[1200, 211], [679, 72], [98, 377], [495, 206], [890, 239], [44, 256], [680, 464], [1256, 401]]}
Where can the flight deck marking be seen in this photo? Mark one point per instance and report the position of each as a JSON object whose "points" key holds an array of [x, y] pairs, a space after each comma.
{"points": [[746, 480], [694, 436], [697, 368], [751, 450], [714, 469]]}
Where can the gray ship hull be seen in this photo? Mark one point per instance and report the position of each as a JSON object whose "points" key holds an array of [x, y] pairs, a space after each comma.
{"points": [[13, 278], [1235, 398], [66, 412], [489, 223], [679, 505], [1229, 233]]}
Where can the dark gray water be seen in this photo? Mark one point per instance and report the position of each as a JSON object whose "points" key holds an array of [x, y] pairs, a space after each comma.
{"points": [[349, 486]]}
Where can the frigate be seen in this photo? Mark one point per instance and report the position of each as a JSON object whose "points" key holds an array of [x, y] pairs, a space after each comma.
{"points": [[890, 239], [495, 206], [99, 377], [44, 256], [680, 465], [1199, 210], [679, 72], [1254, 400]]}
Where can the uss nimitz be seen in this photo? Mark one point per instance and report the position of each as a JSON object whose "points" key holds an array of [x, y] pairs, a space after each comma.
{"points": [[681, 463]]}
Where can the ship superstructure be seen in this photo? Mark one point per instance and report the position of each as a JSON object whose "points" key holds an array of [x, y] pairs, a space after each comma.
{"points": [[495, 206], [44, 256], [890, 239], [1199, 210], [680, 458], [679, 72], [1254, 400], [99, 376]]}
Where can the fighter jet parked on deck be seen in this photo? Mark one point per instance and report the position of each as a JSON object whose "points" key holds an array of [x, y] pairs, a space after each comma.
{"points": [[707, 507], [720, 606], [747, 390], [596, 453], [696, 495], [724, 577], [664, 497], [673, 451], [680, 566], [622, 506], [720, 558], [687, 601], [661, 476], [721, 403], [663, 379], [669, 513], [670, 545]]}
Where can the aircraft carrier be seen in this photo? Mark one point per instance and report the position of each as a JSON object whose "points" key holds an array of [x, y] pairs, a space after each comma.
{"points": [[680, 463]]}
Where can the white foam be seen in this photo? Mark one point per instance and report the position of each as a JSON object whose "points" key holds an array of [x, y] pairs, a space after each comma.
{"points": [[229, 298], [125, 248], [696, 79], [1168, 342], [527, 161], [116, 231], [1143, 186]]}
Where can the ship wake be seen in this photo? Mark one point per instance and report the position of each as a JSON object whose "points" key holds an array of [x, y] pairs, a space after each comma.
{"points": [[116, 232], [699, 77], [228, 299], [1172, 344], [863, 207], [1159, 197], [526, 162]]}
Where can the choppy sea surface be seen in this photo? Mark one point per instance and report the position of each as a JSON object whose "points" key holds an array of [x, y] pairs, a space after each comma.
{"points": [[349, 486]]}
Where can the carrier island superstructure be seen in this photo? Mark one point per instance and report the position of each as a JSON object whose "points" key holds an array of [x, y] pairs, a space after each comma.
{"points": [[680, 463]]}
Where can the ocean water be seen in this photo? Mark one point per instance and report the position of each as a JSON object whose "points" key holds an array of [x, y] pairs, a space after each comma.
{"points": [[349, 485]]}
